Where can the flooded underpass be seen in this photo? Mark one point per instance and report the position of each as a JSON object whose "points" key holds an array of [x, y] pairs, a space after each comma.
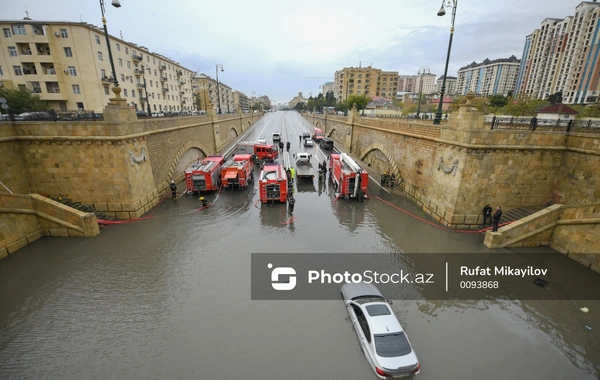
{"points": [[170, 297]]}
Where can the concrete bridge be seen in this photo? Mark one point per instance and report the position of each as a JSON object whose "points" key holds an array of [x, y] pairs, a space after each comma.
{"points": [[121, 166]]}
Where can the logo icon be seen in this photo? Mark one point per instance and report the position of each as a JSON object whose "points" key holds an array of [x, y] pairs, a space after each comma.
{"points": [[282, 271]]}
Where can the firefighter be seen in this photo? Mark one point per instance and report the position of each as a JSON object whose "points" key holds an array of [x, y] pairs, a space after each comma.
{"points": [[383, 179], [281, 146], [387, 178], [292, 172], [255, 159], [204, 202], [173, 190], [291, 202], [288, 146], [300, 138], [392, 179]]}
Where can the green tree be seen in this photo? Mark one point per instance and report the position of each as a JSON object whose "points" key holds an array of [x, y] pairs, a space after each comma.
{"points": [[555, 98], [523, 106], [498, 101], [21, 100], [299, 106], [329, 99], [360, 100], [341, 107]]}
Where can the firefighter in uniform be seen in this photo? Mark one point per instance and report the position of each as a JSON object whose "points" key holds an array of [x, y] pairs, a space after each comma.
{"points": [[281, 146], [392, 179], [291, 202], [204, 202], [173, 190], [288, 146], [383, 179]]}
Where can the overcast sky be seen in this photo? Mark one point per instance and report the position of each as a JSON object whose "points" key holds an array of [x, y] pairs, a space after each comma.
{"points": [[278, 47]]}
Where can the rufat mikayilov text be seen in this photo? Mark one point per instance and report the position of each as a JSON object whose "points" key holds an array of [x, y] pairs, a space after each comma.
{"points": [[504, 270], [369, 277]]}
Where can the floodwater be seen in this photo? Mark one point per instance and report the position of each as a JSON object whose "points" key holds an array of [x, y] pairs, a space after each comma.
{"points": [[169, 297]]}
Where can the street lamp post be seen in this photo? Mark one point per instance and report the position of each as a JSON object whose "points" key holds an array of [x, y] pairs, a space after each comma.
{"points": [[218, 90], [422, 71], [116, 4], [442, 12], [146, 89]]}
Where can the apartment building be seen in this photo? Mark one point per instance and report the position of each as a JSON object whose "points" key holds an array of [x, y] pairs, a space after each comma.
{"points": [[451, 83], [67, 64], [489, 77], [562, 56], [425, 84], [365, 81], [207, 95], [239, 98], [297, 99], [328, 87], [406, 83]]}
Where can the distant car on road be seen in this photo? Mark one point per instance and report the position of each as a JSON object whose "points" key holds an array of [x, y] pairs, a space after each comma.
{"points": [[380, 335], [261, 140], [276, 136], [308, 142]]}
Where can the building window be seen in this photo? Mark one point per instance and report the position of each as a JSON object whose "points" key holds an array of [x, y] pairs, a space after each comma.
{"points": [[120, 62], [125, 92], [12, 51], [18, 30], [63, 33], [150, 83], [118, 46], [72, 71], [128, 65], [98, 40], [102, 73], [76, 89], [68, 52], [133, 93], [100, 56], [7, 32], [18, 70], [105, 90], [155, 72], [130, 79], [154, 61], [148, 58], [126, 50], [80, 106], [122, 77]]}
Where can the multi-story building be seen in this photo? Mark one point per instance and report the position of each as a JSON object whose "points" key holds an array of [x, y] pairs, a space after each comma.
{"points": [[297, 99], [561, 56], [406, 83], [239, 98], [451, 83], [428, 81], [489, 77], [265, 102], [67, 64], [365, 81], [328, 87], [207, 94]]}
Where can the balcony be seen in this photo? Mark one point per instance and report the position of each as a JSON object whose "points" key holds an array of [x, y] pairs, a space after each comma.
{"points": [[163, 79], [138, 72], [143, 99], [107, 79], [179, 73], [165, 89], [182, 92], [136, 57], [182, 83], [162, 67], [140, 85]]}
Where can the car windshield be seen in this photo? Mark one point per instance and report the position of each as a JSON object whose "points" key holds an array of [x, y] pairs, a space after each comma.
{"points": [[368, 299], [375, 310], [392, 345]]}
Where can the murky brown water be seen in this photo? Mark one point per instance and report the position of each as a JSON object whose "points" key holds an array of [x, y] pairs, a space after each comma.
{"points": [[170, 298]]}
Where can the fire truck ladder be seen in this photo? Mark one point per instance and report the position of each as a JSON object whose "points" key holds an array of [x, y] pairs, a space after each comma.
{"points": [[356, 169]]}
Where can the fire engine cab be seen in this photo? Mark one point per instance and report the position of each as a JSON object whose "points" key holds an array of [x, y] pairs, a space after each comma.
{"points": [[273, 184], [204, 175], [349, 179], [238, 170], [263, 151]]}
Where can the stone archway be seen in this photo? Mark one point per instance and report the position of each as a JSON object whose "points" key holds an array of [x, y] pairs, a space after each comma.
{"points": [[331, 132], [188, 153], [373, 148], [233, 133]]}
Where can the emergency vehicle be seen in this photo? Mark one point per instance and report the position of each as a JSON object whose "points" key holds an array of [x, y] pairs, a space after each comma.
{"points": [[273, 184], [204, 175], [318, 134], [263, 151], [349, 179], [238, 170]]}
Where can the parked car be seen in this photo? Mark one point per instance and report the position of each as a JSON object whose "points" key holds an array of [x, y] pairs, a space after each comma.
{"points": [[261, 140], [276, 136], [158, 114], [142, 114], [381, 337], [326, 143], [308, 142]]}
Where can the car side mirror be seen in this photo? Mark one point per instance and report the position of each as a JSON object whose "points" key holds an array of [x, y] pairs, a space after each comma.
{"points": [[348, 304], [390, 302]]}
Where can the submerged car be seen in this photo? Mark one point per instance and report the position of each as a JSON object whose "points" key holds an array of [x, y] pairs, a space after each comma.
{"points": [[308, 142], [381, 337], [261, 140]]}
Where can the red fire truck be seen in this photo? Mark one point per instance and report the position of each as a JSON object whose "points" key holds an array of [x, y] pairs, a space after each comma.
{"points": [[263, 151], [273, 184], [318, 134], [349, 179], [238, 170], [204, 175]]}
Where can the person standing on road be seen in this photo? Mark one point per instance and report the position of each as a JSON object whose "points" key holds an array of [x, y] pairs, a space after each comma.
{"points": [[173, 190], [291, 202], [300, 138], [281, 146], [288, 146], [392, 179], [383, 179], [487, 214], [292, 172], [497, 217]]}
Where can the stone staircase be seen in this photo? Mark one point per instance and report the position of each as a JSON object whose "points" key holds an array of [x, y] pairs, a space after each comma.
{"points": [[82, 207], [518, 213]]}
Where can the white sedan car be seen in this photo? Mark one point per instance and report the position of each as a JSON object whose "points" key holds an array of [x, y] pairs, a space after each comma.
{"points": [[308, 142], [261, 140], [380, 335]]}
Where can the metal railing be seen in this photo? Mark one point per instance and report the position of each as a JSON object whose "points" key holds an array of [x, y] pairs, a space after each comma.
{"points": [[52, 115], [535, 124]]}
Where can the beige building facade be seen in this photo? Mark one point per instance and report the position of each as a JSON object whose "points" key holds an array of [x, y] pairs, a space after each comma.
{"points": [[450, 85], [487, 78], [241, 99], [68, 65], [365, 81], [207, 94]]}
